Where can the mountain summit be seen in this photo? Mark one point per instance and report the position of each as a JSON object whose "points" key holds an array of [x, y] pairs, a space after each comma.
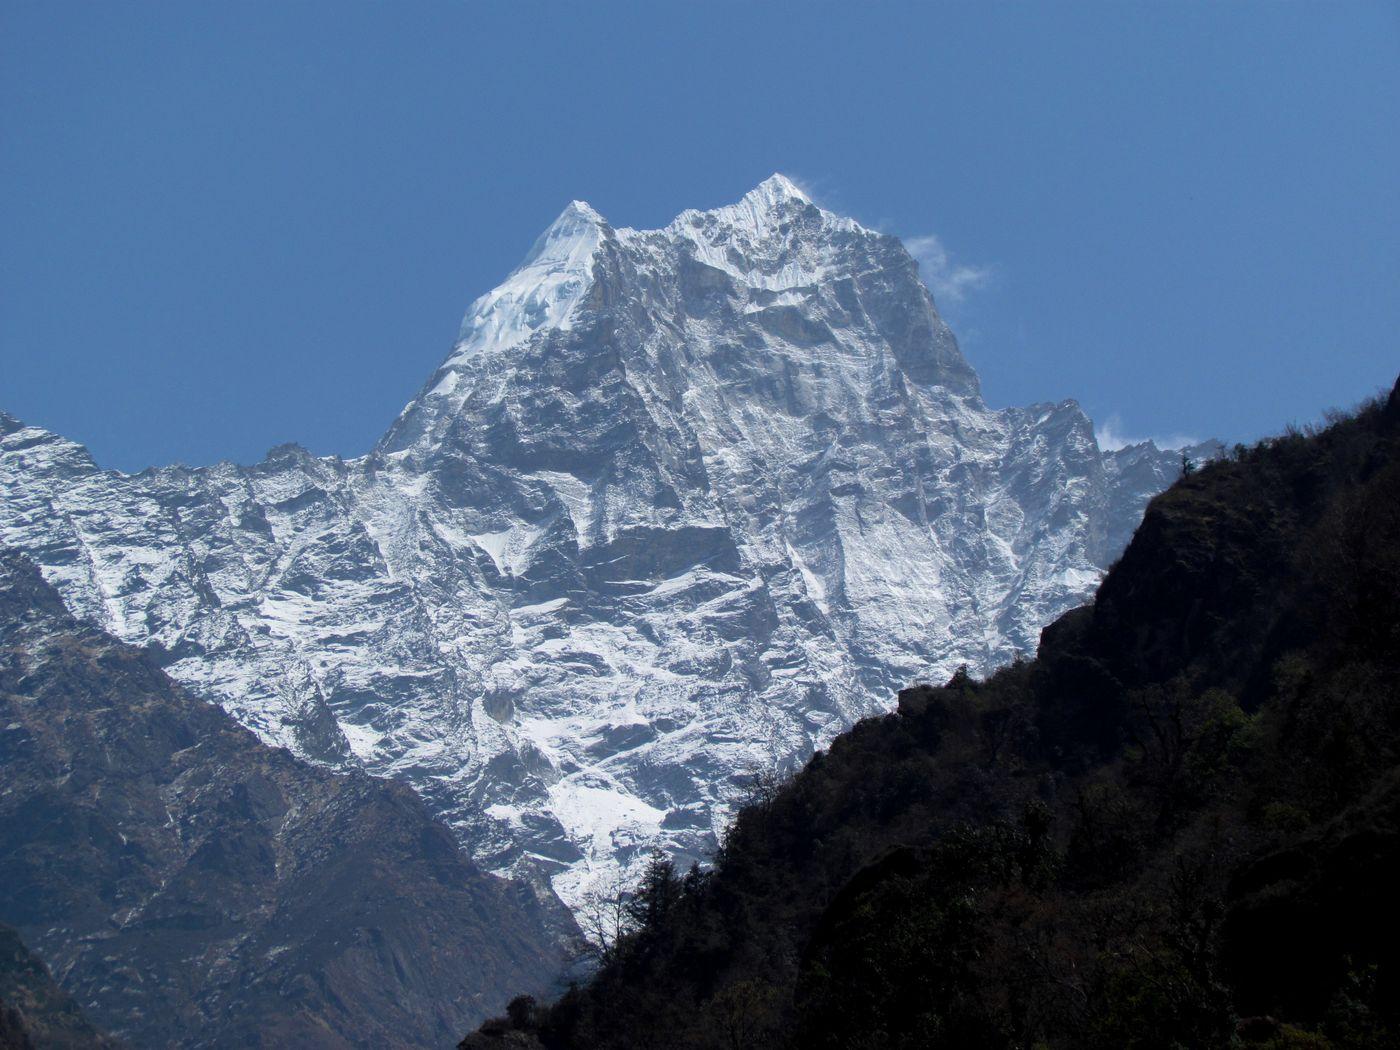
{"points": [[680, 505]]}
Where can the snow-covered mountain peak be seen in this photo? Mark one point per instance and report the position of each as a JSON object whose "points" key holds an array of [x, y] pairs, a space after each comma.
{"points": [[769, 208], [772, 198], [543, 290], [542, 294], [772, 239], [680, 503], [758, 213], [570, 240]]}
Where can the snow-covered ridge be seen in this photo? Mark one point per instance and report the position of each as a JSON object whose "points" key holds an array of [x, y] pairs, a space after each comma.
{"points": [[764, 240], [680, 504]]}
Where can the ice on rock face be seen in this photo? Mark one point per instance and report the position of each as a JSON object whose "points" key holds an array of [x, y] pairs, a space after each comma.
{"points": [[681, 504]]}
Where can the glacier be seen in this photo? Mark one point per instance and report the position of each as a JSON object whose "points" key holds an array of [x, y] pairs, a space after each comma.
{"points": [[680, 506]]}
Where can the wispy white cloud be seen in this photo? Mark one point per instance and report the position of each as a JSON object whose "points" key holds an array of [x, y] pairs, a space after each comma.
{"points": [[949, 280], [1112, 435]]}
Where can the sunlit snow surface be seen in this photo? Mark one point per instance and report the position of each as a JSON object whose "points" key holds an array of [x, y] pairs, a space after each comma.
{"points": [[681, 505]]}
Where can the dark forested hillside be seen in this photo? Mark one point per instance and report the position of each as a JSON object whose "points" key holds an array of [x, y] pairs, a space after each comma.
{"points": [[190, 886], [1178, 827]]}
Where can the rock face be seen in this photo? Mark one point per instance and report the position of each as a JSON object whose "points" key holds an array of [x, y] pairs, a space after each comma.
{"points": [[681, 504], [191, 886]]}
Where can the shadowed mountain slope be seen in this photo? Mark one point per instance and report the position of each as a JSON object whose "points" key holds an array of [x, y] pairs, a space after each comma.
{"points": [[191, 886]]}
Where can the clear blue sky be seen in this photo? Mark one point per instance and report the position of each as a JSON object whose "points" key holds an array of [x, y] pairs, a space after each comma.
{"points": [[224, 226]]}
